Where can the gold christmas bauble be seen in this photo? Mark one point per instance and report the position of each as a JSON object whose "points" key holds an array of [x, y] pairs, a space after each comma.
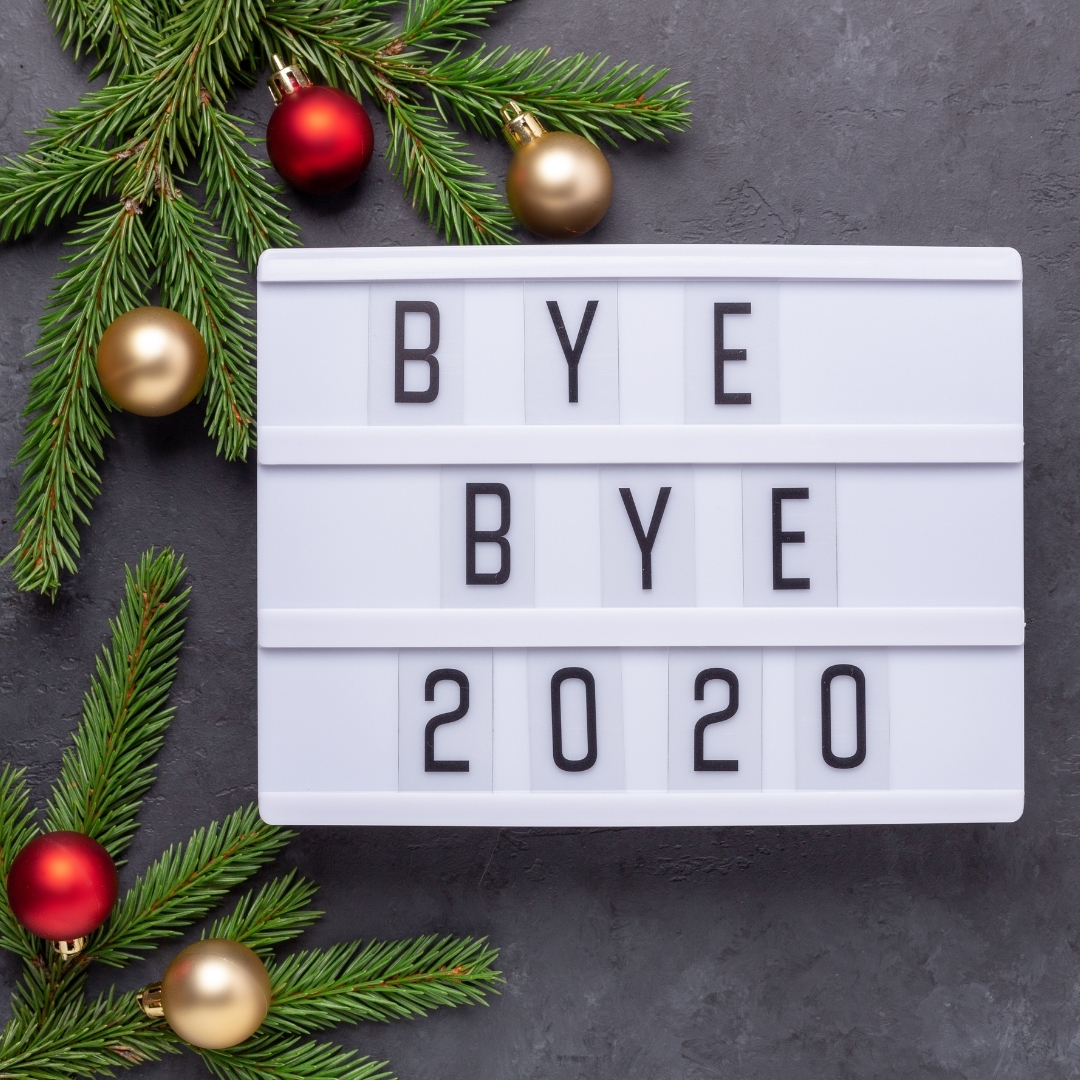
{"points": [[215, 993], [558, 184], [152, 361]]}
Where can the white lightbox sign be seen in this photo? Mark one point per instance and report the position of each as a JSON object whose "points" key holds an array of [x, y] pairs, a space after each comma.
{"points": [[586, 535]]}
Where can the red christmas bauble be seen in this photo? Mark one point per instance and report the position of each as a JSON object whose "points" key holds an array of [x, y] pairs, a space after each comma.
{"points": [[62, 886], [319, 139]]}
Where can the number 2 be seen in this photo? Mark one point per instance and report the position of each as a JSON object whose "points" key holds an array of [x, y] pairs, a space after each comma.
{"points": [[431, 763], [714, 674]]}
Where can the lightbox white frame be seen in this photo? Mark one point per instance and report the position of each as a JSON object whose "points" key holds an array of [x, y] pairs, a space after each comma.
{"points": [[624, 443]]}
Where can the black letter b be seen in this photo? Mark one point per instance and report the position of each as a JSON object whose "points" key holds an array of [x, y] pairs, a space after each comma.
{"points": [[474, 536], [426, 354]]}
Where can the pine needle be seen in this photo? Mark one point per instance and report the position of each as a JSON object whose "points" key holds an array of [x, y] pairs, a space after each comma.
{"points": [[108, 274], [199, 279], [185, 884], [82, 1040], [266, 1057], [110, 764], [378, 981], [17, 829], [278, 912]]}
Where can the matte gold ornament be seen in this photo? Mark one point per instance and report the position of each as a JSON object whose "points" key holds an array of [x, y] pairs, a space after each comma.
{"points": [[152, 361], [558, 184], [215, 994]]}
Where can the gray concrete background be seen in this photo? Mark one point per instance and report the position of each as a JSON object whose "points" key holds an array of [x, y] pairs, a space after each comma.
{"points": [[848, 952]]}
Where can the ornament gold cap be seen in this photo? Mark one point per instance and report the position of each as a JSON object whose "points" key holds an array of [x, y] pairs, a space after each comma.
{"points": [[286, 79], [149, 999], [70, 948], [520, 127]]}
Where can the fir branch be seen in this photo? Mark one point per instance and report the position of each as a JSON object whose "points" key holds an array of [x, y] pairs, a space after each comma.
{"points": [[200, 280], [104, 118], [17, 829], [55, 1034], [107, 276], [583, 94], [205, 48], [122, 32], [238, 193], [278, 912], [82, 1040], [265, 1057], [36, 189], [379, 981], [334, 39], [450, 21], [441, 177], [110, 766], [48, 984], [184, 884]]}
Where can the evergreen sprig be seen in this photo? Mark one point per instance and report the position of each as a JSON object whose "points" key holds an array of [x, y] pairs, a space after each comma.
{"points": [[64, 438], [56, 1033], [110, 764], [171, 67], [378, 981]]}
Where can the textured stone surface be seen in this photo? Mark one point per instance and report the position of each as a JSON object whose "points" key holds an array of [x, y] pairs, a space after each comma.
{"points": [[887, 952]]}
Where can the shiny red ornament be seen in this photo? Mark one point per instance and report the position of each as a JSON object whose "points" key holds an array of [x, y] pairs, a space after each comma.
{"points": [[62, 886], [319, 139]]}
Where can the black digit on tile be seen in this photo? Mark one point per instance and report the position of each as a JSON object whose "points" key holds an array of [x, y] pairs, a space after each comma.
{"points": [[426, 354], [557, 680], [828, 675], [431, 763], [714, 674]]}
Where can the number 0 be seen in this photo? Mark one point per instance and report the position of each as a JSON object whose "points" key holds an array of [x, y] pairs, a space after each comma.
{"points": [[557, 680], [835, 672]]}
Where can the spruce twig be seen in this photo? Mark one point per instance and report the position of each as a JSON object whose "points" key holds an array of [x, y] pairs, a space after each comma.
{"points": [[121, 32], [108, 275], [56, 1033], [266, 1057], [277, 913], [110, 764], [378, 981], [82, 1040], [185, 884], [199, 279], [39, 188], [441, 177], [17, 829], [237, 192]]}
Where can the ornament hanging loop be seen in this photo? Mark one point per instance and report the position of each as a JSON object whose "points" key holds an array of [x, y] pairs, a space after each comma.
{"points": [[286, 79], [149, 999], [520, 127], [70, 948]]}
